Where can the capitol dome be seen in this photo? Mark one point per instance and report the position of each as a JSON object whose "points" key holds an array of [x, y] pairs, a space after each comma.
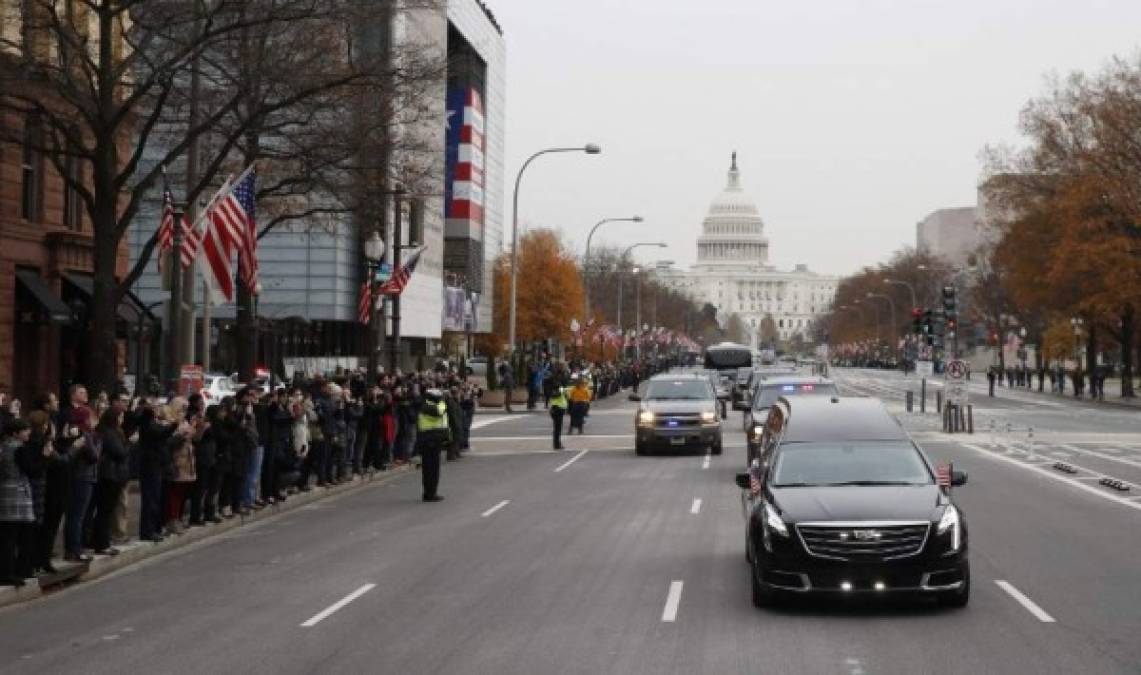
{"points": [[733, 232]]}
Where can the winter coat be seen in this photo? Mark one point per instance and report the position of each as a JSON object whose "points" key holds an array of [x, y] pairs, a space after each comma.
{"points": [[206, 451], [154, 454], [16, 504], [30, 459], [181, 468], [114, 459]]}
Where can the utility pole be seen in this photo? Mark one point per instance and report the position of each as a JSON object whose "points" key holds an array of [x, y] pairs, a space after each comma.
{"points": [[174, 341]]}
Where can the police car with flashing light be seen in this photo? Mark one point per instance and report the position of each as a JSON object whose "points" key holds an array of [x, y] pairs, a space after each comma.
{"points": [[767, 392]]}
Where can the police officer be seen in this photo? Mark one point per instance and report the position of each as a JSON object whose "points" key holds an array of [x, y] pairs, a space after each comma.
{"points": [[558, 408], [432, 436]]}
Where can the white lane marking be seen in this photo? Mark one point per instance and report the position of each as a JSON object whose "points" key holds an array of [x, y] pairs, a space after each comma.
{"points": [[696, 508], [545, 438], [328, 611], [479, 424], [1038, 468], [1101, 455], [1026, 602], [570, 461], [705, 460], [669, 614], [495, 508]]}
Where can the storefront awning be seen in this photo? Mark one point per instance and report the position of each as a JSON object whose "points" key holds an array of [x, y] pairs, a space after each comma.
{"points": [[129, 309], [53, 307]]}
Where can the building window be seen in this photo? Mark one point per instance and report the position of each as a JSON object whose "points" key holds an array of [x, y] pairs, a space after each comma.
{"points": [[32, 170], [72, 212]]}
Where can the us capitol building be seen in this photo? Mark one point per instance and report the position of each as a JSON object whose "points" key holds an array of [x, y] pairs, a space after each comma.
{"points": [[732, 271]]}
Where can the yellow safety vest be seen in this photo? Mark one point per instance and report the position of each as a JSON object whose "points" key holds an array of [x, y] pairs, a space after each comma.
{"points": [[430, 423], [559, 400]]}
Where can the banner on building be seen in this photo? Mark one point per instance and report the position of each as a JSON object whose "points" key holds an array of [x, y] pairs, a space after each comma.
{"points": [[455, 300]]}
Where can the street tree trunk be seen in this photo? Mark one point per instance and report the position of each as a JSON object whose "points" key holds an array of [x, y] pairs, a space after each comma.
{"points": [[1127, 330]]}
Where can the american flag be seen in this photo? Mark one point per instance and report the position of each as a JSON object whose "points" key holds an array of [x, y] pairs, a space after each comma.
{"points": [[364, 307], [401, 276], [943, 475], [754, 482], [191, 240], [234, 215]]}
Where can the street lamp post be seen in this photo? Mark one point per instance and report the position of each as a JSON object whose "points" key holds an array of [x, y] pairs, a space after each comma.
{"points": [[374, 256], [638, 315], [258, 288], [631, 247], [911, 288], [890, 302], [174, 353], [590, 149], [586, 261]]}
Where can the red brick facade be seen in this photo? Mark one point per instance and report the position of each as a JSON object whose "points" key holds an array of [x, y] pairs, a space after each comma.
{"points": [[37, 355]]}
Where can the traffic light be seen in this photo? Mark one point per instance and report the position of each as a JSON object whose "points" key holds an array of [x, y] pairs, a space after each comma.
{"points": [[949, 309], [916, 320]]}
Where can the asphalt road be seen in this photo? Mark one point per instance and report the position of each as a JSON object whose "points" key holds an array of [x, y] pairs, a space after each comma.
{"points": [[592, 560]]}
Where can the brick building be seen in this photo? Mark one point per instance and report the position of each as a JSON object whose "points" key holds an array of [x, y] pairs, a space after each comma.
{"points": [[45, 248]]}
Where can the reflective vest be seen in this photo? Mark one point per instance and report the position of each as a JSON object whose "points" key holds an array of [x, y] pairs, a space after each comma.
{"points": [[559, 400], [433, 422]]}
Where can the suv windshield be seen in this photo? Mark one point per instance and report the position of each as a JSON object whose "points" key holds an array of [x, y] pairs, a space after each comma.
{"points": [[695, 390], [768, 394], [849, 463]]}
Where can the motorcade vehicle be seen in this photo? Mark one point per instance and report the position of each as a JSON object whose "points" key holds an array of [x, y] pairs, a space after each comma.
{"points": [[727, 358], [766, 394], [677, 411], [842, 501]]}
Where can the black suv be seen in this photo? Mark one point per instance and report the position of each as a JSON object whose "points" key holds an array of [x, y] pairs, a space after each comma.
{"points": [[842, 501], [677, 411]]}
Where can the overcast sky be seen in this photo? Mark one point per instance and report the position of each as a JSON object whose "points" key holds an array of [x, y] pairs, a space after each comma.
{"points": [[853, 119]]}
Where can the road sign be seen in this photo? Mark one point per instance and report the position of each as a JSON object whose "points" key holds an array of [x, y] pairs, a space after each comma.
{"points": [[924, 368], [956, 373]]}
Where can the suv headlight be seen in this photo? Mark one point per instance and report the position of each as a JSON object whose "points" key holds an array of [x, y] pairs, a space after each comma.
{"points": [[708, 417], [646, 418], [950, 521], [774, 522]]}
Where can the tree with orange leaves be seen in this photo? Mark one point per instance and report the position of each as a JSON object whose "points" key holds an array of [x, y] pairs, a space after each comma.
{"points": [[548, 292]]}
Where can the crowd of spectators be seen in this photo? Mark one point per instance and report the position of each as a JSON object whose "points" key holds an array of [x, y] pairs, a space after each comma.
{"points": [[196, 461]]}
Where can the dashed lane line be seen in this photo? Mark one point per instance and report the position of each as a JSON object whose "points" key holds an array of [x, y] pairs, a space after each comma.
{"points": [[1028, 604], [1039, 468], [479, 424], [673, 600], [495, 508], [696, 508], [570, 461], [331, 609]]}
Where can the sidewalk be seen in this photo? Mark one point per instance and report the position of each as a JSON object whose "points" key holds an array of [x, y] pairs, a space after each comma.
{"points": [[136, 551], [1112, 392]]}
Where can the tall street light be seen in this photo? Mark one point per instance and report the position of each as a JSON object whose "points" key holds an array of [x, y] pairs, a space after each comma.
{"points": [[659, 244], [586, 261], [590, 149], [896, 282], [374, 255], [891, 302]]}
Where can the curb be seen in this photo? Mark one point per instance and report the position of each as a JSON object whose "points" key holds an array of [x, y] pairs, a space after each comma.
{"points": [[138, 551]]}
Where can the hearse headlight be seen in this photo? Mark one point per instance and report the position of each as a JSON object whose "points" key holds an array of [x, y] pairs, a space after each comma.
{"points": [[774, 522], [950, 522]]}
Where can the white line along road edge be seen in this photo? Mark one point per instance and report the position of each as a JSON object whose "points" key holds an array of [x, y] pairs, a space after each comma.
{"points": [[669, 614], [328, 611], [1049, 474], [570, 461], [495, 508], [1026, 602], [696, 508]]}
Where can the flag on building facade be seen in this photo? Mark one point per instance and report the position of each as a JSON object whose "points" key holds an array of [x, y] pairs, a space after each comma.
{"points": [[401, 275]]}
